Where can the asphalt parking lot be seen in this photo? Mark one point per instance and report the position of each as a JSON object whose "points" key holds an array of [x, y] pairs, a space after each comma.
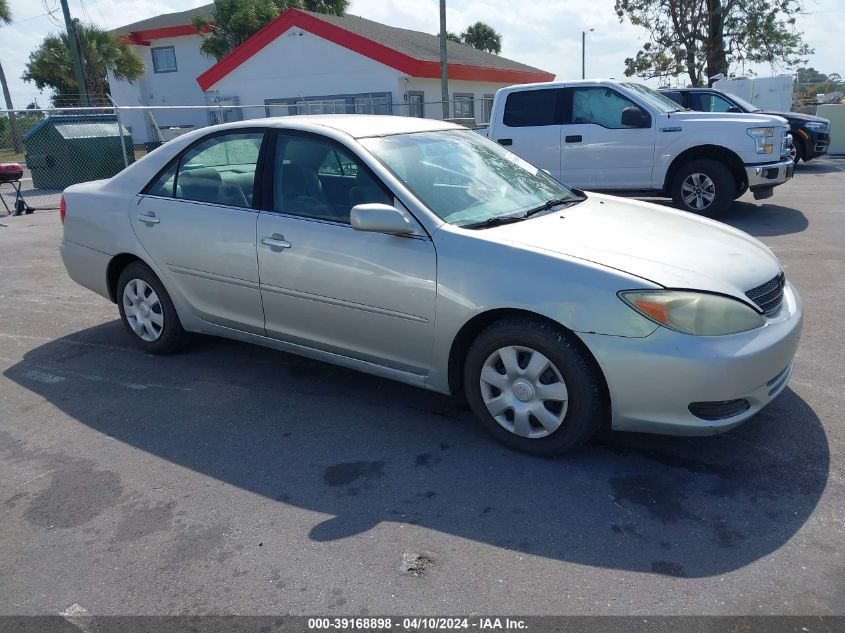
{"points": [[235, 479]]}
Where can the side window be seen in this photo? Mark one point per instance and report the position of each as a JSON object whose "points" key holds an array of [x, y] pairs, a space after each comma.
{"points": [[221, 169], [600, 106], [318, 179], [163, 185], [674, 95], [708, 102], [531, 108]]}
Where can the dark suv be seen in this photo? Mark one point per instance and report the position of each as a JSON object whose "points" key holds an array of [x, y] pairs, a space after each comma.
{"points": [[810, 134]]}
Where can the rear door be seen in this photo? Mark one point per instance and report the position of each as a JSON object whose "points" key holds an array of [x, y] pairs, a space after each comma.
{"points": [[599, 152], [530, 127], [197, 222]]}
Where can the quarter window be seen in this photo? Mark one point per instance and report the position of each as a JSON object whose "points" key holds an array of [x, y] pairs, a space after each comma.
{"points": [[317, 179], [600, 106], [164, 59]]}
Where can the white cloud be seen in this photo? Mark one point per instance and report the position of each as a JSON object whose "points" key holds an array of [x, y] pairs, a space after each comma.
{"points": [[543, 33]]}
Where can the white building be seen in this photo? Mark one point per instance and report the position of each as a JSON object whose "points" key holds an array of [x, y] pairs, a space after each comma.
{"points": [[306, 62]]}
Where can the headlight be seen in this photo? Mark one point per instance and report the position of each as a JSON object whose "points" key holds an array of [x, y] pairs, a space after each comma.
{"points": [[815, 125], [764, 137], [697, 313]]}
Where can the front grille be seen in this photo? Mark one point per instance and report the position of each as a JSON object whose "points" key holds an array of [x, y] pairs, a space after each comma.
{"points": [[719, 410], [768, 296]]}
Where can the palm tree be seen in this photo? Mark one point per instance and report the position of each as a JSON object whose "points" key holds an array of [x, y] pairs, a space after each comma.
{"points": [[6, 18], [50, 65], [483, 37]]}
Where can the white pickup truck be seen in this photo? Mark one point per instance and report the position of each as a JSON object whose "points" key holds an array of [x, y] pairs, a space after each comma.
{"points": [[622, 136]]}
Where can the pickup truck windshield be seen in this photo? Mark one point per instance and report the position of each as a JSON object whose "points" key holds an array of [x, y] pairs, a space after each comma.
{"points": [[467, 179], [654, 98]]}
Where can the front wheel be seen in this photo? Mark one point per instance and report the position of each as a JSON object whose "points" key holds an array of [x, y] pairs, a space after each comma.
{"points": [[704, 186], [533, 387]]}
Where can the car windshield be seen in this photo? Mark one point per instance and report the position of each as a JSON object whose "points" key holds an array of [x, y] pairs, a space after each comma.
{"points": [[465, 178], [742, 103], [655, 99]]}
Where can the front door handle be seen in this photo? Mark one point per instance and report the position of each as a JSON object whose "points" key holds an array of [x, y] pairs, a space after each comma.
{"points": [[505, 141], [575, 138], [276, 241], [148, 219]]}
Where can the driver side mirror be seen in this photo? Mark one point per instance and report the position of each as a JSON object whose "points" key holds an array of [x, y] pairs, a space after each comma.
{"points": [[634, 117], [380, 218]]}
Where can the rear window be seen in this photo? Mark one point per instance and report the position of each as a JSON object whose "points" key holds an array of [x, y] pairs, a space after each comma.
{"points": [[532, 108]]}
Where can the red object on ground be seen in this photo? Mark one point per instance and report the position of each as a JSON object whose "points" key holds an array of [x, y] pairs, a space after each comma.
{"points": [[10, 172]]}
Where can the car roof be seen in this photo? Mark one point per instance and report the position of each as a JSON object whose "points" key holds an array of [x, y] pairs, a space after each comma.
{"points": [[354, 125]]}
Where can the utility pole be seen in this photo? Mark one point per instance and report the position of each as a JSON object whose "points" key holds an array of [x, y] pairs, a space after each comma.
{"points": [[444, 70], [73, 44], [583, 49]]}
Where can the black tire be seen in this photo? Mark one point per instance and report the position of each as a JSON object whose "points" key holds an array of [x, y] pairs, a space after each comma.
{"points": [[800, 150], [587, 407], [724, 184], [172, 336]]}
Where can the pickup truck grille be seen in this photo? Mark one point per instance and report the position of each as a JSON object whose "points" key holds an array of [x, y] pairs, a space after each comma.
{"points": [[768, 296]]}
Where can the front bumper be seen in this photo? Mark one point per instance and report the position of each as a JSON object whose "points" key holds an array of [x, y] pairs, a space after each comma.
{"points": [[653, 380], [815, 142], [769, 175]]}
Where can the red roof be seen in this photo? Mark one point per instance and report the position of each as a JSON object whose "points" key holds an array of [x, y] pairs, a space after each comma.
{"points": [[491, 68]]}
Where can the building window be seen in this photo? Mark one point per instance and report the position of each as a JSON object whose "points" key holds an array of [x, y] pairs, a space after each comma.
{"points": [[464, 106], [364, 103], [164, 59], [486, 108], [416, 104]]}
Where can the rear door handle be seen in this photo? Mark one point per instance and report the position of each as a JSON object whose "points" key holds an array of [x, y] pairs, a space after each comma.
{"points": [[575, 138], [505, 141], [276, 241], [148, 219]]}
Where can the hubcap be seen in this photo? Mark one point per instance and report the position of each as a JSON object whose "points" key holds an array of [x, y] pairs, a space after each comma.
{"points": [[793, 153], [524, 391], [143, 310], [698, 191]]}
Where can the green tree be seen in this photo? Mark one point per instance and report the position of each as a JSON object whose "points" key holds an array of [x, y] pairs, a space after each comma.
{"points": [[6, 18], [702, 38], [483, 37], [454, 37], [50, 65], [235, 21]]}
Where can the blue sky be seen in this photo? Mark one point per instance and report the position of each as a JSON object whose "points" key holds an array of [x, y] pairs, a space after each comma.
{"points": [[543, 33]]}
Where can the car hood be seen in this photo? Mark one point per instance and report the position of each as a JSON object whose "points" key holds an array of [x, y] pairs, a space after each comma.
{"points": [[743, 118], [797, 116], [670, 248]]}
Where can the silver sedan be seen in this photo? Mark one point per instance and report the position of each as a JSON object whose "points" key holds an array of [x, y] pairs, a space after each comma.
{"points": [[419, 251]]}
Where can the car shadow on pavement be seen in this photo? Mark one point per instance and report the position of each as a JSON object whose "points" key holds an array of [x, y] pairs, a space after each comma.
{"points": [[764, 220], [367, 450]]}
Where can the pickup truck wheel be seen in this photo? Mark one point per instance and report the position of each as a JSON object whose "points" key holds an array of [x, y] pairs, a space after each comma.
{"points": [[533, 388], [148, 312], [703, 186]]}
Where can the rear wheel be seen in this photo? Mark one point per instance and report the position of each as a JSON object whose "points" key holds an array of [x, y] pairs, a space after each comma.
{"points": [[533, 388], [148, 312], [704, 186]]}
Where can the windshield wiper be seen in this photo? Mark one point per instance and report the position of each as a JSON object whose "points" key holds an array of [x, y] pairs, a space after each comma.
{"points": [[555, 203], [496, 220]]}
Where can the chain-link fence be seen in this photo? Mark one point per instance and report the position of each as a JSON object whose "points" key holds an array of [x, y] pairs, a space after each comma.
{"points": [[58, 147]]}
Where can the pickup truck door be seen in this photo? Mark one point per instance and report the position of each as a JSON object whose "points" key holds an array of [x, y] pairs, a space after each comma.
{"points": [[598, 151], [530, 127]]}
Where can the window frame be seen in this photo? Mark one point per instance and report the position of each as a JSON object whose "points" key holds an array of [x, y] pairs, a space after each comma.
{"points": [[257, 182], [463, 97], [569, 99], [421, 104], [153, 52], [267, 193]]}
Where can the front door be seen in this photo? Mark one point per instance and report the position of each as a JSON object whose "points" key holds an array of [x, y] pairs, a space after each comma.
{"points": [[325, 285], [598, 151], [198, 225]]}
